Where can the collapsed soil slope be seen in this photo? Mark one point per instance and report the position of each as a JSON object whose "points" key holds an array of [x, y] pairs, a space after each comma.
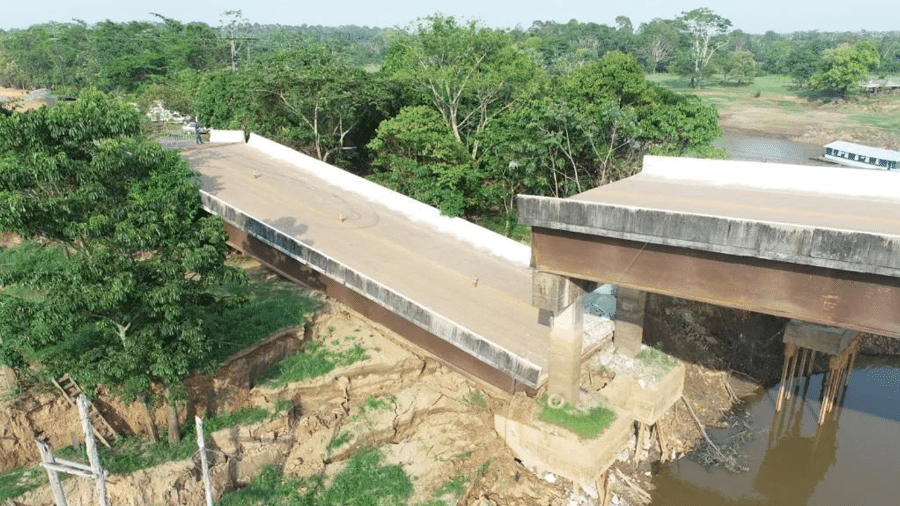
{"points": [[436, 423]]}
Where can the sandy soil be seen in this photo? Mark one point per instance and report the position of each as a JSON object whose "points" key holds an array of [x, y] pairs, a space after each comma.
{"points": [[813, 122], [22, 100], [439, 424]]}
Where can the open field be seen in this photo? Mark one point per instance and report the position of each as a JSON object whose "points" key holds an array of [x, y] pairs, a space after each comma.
{"points": [[774, 106]]}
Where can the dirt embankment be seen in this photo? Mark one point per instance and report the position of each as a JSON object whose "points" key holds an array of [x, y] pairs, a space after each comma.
{"points": [[434, 422]]}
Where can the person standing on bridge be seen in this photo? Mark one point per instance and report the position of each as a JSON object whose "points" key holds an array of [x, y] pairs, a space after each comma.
{"points": [[197, 132]]}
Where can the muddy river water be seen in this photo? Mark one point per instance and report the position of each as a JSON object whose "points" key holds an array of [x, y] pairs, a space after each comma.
{"points": [[853, 459]]}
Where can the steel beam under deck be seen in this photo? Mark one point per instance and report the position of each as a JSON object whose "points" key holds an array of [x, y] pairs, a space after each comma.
{"points": [[864, 302]]}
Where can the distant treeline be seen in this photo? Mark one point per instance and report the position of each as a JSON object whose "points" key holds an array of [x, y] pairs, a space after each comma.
{"points": [[453, 113]]}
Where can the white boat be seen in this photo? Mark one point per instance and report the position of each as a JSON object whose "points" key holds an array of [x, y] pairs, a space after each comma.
{"points": [[864, 157]]}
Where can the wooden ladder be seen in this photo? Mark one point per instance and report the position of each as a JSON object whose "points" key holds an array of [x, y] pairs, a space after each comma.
{"points": [[71, 390]]}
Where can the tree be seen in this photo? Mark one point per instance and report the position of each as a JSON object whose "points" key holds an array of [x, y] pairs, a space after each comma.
{"points": [[118, 272], [706, 31], [657, 42], [318, 100], [845, 66], [740, 66], [416, 154], [231, 26], [467, 72], [801, 63]]}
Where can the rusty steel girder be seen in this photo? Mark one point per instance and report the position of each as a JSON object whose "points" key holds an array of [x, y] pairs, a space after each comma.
{"points": [[864, 302]]}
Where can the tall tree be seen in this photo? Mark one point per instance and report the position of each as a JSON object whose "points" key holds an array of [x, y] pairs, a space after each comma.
{"points": [[114, 287], [467, 72], [706, 30], [658, 41], [417, 155], [845, 66], [318, 100]]}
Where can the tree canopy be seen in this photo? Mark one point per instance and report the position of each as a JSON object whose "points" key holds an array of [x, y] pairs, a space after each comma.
{"points": [[844, 66], [119, 260]]}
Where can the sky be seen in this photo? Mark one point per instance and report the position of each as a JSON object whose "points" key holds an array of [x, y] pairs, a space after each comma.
{"points": [[781, 16]]}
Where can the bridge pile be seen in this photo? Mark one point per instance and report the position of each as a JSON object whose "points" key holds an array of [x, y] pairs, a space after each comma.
{"points": [[802, 343]]}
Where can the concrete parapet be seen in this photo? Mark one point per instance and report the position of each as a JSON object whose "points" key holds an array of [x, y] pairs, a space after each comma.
{"points": [[821, 338], [227, 136], [461, 229], [549, 448], [459, 336], [776, 176]]}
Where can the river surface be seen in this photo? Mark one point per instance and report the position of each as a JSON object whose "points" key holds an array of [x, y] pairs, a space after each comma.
{"points": [[853, 459], [751, 148]]}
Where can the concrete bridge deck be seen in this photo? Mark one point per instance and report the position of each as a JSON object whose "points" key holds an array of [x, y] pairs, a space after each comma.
{"points": [[818, 244], [396, 253]]}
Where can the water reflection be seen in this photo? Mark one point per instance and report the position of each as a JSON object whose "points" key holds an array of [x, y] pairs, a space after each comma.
{"points": [[752, 148], [853, 458]]}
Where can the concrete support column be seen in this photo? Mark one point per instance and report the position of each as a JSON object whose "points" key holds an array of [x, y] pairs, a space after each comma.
{"points": [[563, 299], [629, 332], [566, 336]]}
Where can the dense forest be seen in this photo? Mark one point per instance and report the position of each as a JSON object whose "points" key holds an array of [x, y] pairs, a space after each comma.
{"points": [[448, 111]]}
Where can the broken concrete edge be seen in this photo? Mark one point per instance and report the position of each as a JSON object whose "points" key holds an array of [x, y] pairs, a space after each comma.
{"points": [[838, 181], [227, 136], [826, 248], [465, 231], [646, 404], [458, 335]]}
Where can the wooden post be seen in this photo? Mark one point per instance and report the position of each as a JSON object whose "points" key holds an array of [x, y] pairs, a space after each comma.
{"points": [[48, 463], [93, 456], [639, 446], [201, 444], [664, 452], [789, 351], [795, 356]]}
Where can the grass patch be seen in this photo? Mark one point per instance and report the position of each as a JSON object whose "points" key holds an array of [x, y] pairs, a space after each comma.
{"points": [[657, 362], [264, 307], [314, 361], [475, 398], [506, 225], [365, 481], [16, 482], [342, 439], [585, 424], [454, 487], [244, 416], [283, 405]]}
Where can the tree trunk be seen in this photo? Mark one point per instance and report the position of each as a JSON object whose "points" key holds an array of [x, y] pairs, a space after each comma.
{"points": [[174, 429], [148, 419]]}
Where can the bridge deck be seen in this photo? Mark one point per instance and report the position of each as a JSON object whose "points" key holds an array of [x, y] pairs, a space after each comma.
{"points": [[817, 244], [423, 264], [831, 217]]}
